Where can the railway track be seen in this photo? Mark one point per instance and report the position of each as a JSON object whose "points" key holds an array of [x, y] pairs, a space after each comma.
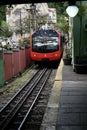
{"points": [[15, 113], [12, 87]]}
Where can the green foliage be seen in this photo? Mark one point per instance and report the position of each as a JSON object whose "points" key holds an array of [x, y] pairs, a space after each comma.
{"points": [[82, 10], [2, 13], [24, 42], [18, 31], [60, 8], [62, 23], [66, 53], [4, 27], [5, 31]]}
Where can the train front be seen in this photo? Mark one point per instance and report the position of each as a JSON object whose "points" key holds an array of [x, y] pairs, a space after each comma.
{"points": [[45, 45]]}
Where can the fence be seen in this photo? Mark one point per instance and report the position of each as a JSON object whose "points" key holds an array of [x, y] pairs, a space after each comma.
{"points": [[13, 62]]}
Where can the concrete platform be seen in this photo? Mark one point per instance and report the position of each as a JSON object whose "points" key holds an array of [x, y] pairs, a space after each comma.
{"points": [[67, 106]]}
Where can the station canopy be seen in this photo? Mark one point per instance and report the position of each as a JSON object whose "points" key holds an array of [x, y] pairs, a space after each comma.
{"points": [[9, 2]]}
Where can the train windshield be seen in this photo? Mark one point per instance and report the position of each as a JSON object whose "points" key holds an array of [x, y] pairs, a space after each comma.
{"points": [[45, 41]]}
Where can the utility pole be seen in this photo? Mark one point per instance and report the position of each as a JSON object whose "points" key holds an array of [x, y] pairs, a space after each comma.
{"points": [[34, 17], [29, 22], [29, 19], [21, 25]]}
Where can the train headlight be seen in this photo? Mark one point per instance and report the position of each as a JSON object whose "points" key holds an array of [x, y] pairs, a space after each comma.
{"points": [[36, 55], [55, 54]]}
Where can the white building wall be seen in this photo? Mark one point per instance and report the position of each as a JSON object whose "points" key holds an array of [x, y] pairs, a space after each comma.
{"points": [[42, 9], [52, 15], [13, 18]]}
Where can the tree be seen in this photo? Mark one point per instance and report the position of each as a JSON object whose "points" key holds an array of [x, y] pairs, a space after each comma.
{"points": [[62, 17], [2, 13], [5, 30], [4, 27]]}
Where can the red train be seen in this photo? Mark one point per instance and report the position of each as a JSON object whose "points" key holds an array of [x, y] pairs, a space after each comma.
{"points": [[46, 45]]}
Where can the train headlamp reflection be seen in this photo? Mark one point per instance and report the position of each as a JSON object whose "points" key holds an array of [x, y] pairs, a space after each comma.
{"points": [[54, 55]]}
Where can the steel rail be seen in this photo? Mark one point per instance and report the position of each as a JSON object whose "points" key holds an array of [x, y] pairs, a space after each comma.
{"points": [[23, 86], [7, 120], [33, 103]]}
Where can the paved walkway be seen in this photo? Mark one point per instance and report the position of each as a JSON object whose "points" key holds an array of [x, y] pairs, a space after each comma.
{"points": [[72, 112], [67, 106]]}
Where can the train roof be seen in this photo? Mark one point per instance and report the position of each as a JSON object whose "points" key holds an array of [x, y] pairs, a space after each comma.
{"points": [[46, 32]]}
